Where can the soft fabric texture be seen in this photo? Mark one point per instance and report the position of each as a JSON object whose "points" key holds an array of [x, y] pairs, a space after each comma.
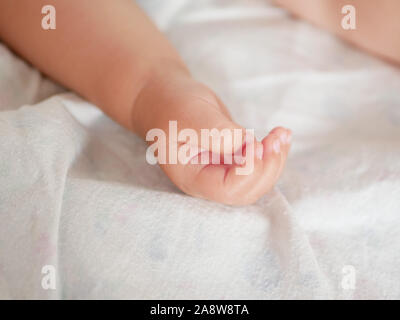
{"points": [[76, 192]]}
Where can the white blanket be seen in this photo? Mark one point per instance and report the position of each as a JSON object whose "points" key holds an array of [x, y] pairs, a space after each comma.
{"points": [[76, 192]]}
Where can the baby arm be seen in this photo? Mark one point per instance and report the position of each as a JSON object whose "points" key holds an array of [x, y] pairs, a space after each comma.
{"points": [[104, 50], [111, 54]]}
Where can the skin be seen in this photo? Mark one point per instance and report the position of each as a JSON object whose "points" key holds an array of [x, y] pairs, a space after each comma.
{"points": [[173, 97], [378, 23], [111, 54]]}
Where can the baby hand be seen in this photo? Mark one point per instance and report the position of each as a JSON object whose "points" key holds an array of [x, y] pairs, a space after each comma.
{"points": [[175, 96]]}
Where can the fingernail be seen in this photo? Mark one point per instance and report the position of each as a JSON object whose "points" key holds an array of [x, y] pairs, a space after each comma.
{"points": [[284, 138], [289, 137], [259, 151], [276, 146]]}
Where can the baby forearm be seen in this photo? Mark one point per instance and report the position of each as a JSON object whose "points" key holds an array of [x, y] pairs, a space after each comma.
{"points": [[377, 22], [105, 50]]}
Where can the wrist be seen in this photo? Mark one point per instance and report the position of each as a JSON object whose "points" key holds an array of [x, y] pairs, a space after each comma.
{"points": [[118, 85], [160, 78]]}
